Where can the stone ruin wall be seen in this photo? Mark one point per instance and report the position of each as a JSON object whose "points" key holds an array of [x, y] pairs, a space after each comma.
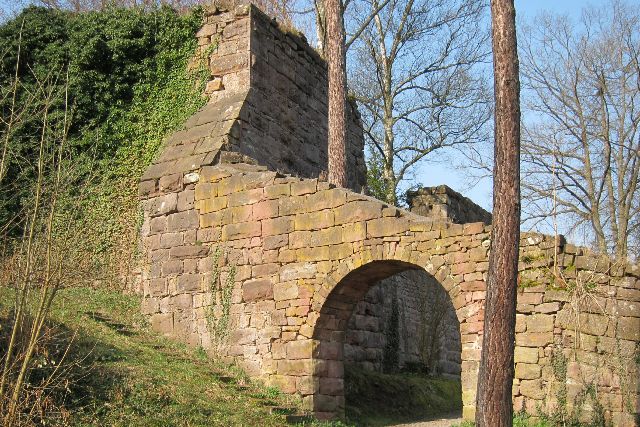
{"points": [[285, 260], [443, 203], [288, 242], [426, 335], [283, 121]]}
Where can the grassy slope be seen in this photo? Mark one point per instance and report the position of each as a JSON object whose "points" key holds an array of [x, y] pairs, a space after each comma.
{"points": [[129, 376], [376, 399]]}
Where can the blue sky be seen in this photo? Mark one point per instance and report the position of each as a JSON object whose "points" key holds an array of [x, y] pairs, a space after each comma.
{"points": [[437, 172]]}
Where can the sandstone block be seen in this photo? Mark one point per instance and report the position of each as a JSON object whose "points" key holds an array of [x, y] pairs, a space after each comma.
{"points": [[162, 205], [300, 349], [284, 383], [527, 371], [357, 211], [162, 323], [188, 251], [295, 367], [241, 230], [257, 289], [540, 323], [306, 186], [189, 282], [243, 336], [285, 291], [533, 389], [548, 307], [332, 386], [389, 226], [526, 355], [265, 209], [534, 339], [628, 328], [157, 225], [531, 298], [276, 226], [183, 221], [313, 221]]}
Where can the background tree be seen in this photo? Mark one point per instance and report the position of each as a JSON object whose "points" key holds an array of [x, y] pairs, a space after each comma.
{"points": [[494, 407], [416, 77], [581, 143]]}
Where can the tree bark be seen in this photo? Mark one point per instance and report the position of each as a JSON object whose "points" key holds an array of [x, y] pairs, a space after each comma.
{"points": [[335, 52], [494, 402]]}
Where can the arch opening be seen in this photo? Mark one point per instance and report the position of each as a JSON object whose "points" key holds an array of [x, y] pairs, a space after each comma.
{"points": [[386, 322]]}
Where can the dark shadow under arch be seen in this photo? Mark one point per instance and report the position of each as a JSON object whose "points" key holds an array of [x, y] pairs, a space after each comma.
{"points": [[331, 326]]}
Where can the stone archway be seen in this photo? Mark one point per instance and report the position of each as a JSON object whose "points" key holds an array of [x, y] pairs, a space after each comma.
{"points": [[331, 327]]}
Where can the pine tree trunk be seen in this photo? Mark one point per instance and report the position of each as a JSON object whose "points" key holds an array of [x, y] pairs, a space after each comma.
{"points": [[335, 52], [494, 406]]}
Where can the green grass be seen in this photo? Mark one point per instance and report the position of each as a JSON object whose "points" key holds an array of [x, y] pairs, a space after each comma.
{"points": [[377, 399], [520, 420], [121, 374]]}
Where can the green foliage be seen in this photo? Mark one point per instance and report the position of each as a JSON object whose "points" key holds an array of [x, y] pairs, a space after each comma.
{"points": [[376, 184], [129, 86]]}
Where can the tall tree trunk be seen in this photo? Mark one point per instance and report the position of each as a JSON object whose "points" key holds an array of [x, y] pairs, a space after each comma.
{"points": [[494, 404], [335, 52]]}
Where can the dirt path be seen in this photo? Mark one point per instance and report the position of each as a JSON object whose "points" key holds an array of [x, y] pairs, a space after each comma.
{"points": [[442, 421]]}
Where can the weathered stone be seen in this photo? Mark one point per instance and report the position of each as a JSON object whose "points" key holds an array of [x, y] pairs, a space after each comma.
{"points": [[162, 205], [533, 389], [162, 323], [257, 289], [310, 260], [526, 355], [534, 339], [527, 371], [540, 323]]}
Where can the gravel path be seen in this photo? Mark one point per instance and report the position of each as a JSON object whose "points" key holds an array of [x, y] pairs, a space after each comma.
{"points": [[443, 421]]}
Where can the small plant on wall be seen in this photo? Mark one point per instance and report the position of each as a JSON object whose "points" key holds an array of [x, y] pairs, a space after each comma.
{"points": [[219, 311]]}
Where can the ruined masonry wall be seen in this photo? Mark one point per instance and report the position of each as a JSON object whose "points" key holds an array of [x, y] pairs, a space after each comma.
{"points": [[267, 105], [291, 252], [447, 205], [266, 269], [283, 122], [426, 327]]}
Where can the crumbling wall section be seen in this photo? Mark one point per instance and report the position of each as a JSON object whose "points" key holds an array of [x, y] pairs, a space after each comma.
{"points": [[405, 322], [444, 204]]}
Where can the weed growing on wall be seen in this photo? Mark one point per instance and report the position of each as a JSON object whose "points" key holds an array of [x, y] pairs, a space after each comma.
{"points": [[219, 311]]}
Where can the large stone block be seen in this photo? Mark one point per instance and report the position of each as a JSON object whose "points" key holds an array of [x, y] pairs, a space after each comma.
{"points": [[527, 371], [357, 211], [257, 289]]}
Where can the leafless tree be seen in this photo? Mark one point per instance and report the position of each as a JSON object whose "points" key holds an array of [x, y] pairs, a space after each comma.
{"points": [[494, 406], [581, 141], [415, 76]]}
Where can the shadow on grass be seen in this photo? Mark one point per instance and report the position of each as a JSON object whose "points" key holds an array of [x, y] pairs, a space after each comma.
{"points": [[377, 399], [67, 373]]}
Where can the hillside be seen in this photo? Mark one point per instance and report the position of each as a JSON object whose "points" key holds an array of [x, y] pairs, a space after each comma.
{"points": [[109, 369]]}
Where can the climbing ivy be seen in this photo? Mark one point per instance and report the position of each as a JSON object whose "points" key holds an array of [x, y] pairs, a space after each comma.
{"points": [[219, 311], [127, 79]]}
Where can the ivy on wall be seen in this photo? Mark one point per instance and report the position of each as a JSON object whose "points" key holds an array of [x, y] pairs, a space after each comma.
{"points": [[126, 72]]}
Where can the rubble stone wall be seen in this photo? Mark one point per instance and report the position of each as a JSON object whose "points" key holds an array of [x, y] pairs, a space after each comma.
{"points": [[443, 203], [405, 322], [266, 269], [282, 262]]}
